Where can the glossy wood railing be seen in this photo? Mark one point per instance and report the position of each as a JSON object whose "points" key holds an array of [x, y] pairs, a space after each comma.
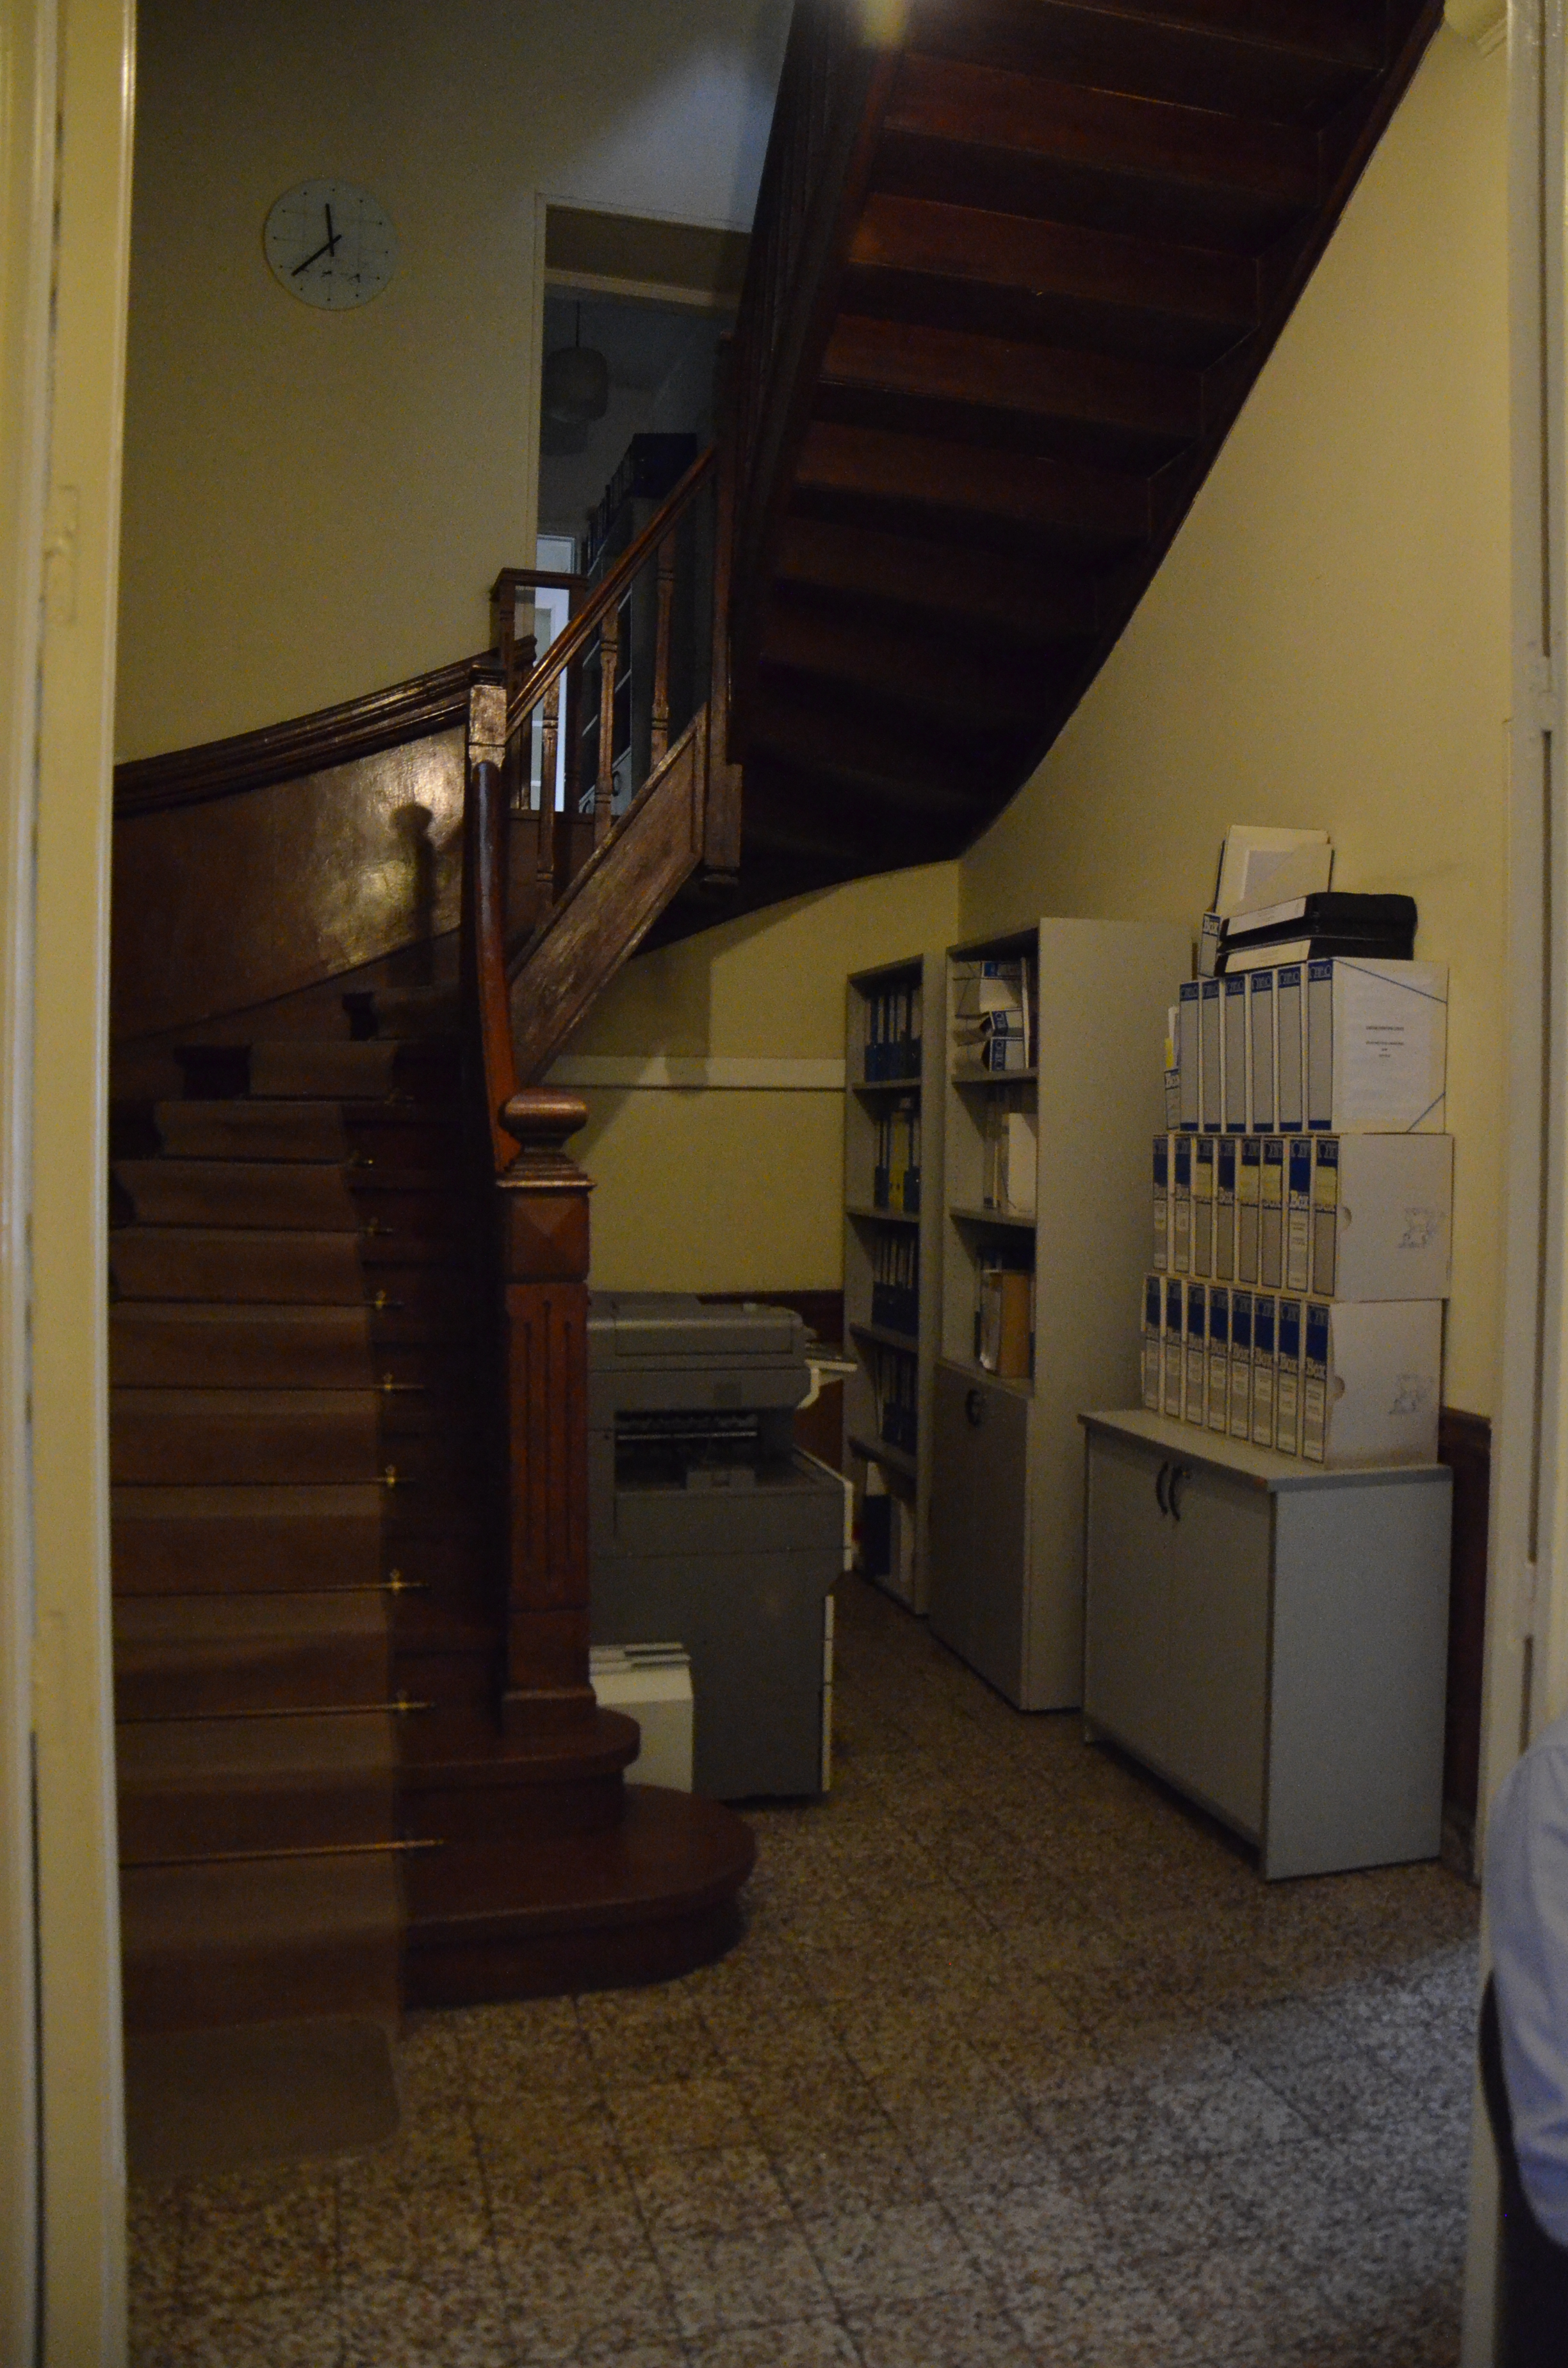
{"points": [[832, 94], [524, 988]]}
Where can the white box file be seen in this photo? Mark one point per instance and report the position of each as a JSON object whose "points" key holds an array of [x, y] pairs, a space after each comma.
{"points": [[1261, 1050], [1241, 1310], [1188, 1058], [1219, 1378], [1264, 1367], [1153, 1328], [652, 1684], [1195, 1360], [1382, 1216], [1371, 1381], [1234, 1098], [1249, 1207], [1298, 1212], [1203, 1205], [1162, 1176], [1288, 1373], [1289, 1048], [1173, 1347], [1211, 1071], [1182, 1148], [1376, 1046], [1224, 1266], [1271, 1216]]}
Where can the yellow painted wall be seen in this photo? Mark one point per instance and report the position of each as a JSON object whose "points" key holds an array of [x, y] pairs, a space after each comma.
{"points": [[718, 1190], [316, 503], [1326, 645]]}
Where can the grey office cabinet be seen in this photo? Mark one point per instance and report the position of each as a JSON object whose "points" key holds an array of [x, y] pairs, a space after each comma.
{"points": [[1271, 1637]]}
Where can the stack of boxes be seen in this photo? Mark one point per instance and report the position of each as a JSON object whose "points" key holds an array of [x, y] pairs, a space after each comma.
{"points": [[1302, 1211]]}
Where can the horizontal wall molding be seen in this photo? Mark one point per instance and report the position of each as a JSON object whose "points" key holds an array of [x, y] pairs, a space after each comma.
{"points": [[677, 1073]]}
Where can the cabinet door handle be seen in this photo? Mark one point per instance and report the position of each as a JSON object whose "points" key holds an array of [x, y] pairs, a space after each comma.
{"points": [[1179, 1472], [974, 1407], [1160, 1487]]}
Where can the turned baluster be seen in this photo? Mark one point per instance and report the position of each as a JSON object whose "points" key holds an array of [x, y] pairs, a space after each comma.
{"points": [[609, 654], [549, 741], [659, 737]]}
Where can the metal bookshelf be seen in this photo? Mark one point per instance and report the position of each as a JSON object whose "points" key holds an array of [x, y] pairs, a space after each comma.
{"points": [[891, 1269]]}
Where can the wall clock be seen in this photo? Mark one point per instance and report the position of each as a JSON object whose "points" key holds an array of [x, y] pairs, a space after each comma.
{"points": [[330, 243]]}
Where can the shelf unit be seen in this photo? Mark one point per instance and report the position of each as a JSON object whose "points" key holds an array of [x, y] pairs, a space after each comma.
{"points": [[1006, 1510], [879, 1240]]}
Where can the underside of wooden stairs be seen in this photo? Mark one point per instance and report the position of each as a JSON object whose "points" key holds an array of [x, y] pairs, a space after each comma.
{"points": [[1016, 266]]}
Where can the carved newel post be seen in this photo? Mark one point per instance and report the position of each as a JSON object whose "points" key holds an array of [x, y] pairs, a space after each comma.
{"points": [[543, 1208]]}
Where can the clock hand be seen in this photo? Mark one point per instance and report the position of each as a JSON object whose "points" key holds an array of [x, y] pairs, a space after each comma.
{"points": [[334, 239]]}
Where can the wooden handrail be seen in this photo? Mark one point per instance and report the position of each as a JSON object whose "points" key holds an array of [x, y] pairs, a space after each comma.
{"points": [[307, 744], [608, 595]]}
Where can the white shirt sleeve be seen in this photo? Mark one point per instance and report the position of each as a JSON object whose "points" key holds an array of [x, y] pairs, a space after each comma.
{"points": [[1527, 1904]]}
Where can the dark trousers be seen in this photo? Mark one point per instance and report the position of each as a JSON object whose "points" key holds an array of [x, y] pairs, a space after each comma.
{"points": [[1533, 2271]]}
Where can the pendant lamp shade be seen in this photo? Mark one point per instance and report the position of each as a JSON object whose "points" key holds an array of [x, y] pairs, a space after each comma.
{"points": [[576, 382]]}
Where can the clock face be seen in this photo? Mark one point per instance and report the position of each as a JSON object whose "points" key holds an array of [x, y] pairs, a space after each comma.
{"points": [[330, 243]]}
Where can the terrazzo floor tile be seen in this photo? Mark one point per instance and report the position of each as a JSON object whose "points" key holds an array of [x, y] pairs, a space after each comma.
{"points": [[406, 2322], [899, 2254], [300, 2329], [1018, 2062], [758, 2279], [957, 2332], [799, 2343], [257, 2233]]}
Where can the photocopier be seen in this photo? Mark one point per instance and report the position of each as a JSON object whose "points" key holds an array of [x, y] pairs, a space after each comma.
{"points": [[706, 1527]]}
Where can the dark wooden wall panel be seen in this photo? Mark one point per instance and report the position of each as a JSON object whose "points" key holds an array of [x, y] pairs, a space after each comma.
{"points": [[234, 901]]}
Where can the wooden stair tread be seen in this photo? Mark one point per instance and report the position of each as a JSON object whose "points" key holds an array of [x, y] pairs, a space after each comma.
{"points": [[263, 1903], [672, 1855], [149, 1627], [196, 1754], [246, 1130]]}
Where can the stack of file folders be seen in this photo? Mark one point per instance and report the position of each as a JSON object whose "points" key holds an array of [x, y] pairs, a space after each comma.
{"points": [[895, 1282], [895, 1176], [1307, 929], [1303, 1206], [993, 1016], [892, 1049]]}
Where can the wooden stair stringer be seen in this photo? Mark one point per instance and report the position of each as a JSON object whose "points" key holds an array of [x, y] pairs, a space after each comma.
{"points": [[610, 906]]}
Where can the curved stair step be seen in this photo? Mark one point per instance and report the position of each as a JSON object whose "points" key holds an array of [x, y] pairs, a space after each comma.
{"points": [[651, 1898]]}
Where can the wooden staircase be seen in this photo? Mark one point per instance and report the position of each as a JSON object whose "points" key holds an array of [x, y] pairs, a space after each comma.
{"points": [[1015, 270], [317, 1813]]}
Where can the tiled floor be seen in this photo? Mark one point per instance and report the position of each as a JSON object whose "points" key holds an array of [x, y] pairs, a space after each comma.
{"points": [[1020, 2063]]}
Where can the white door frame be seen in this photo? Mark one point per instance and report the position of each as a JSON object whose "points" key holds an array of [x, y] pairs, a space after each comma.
{"points": [[1527, 1624], [66, 96]]}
